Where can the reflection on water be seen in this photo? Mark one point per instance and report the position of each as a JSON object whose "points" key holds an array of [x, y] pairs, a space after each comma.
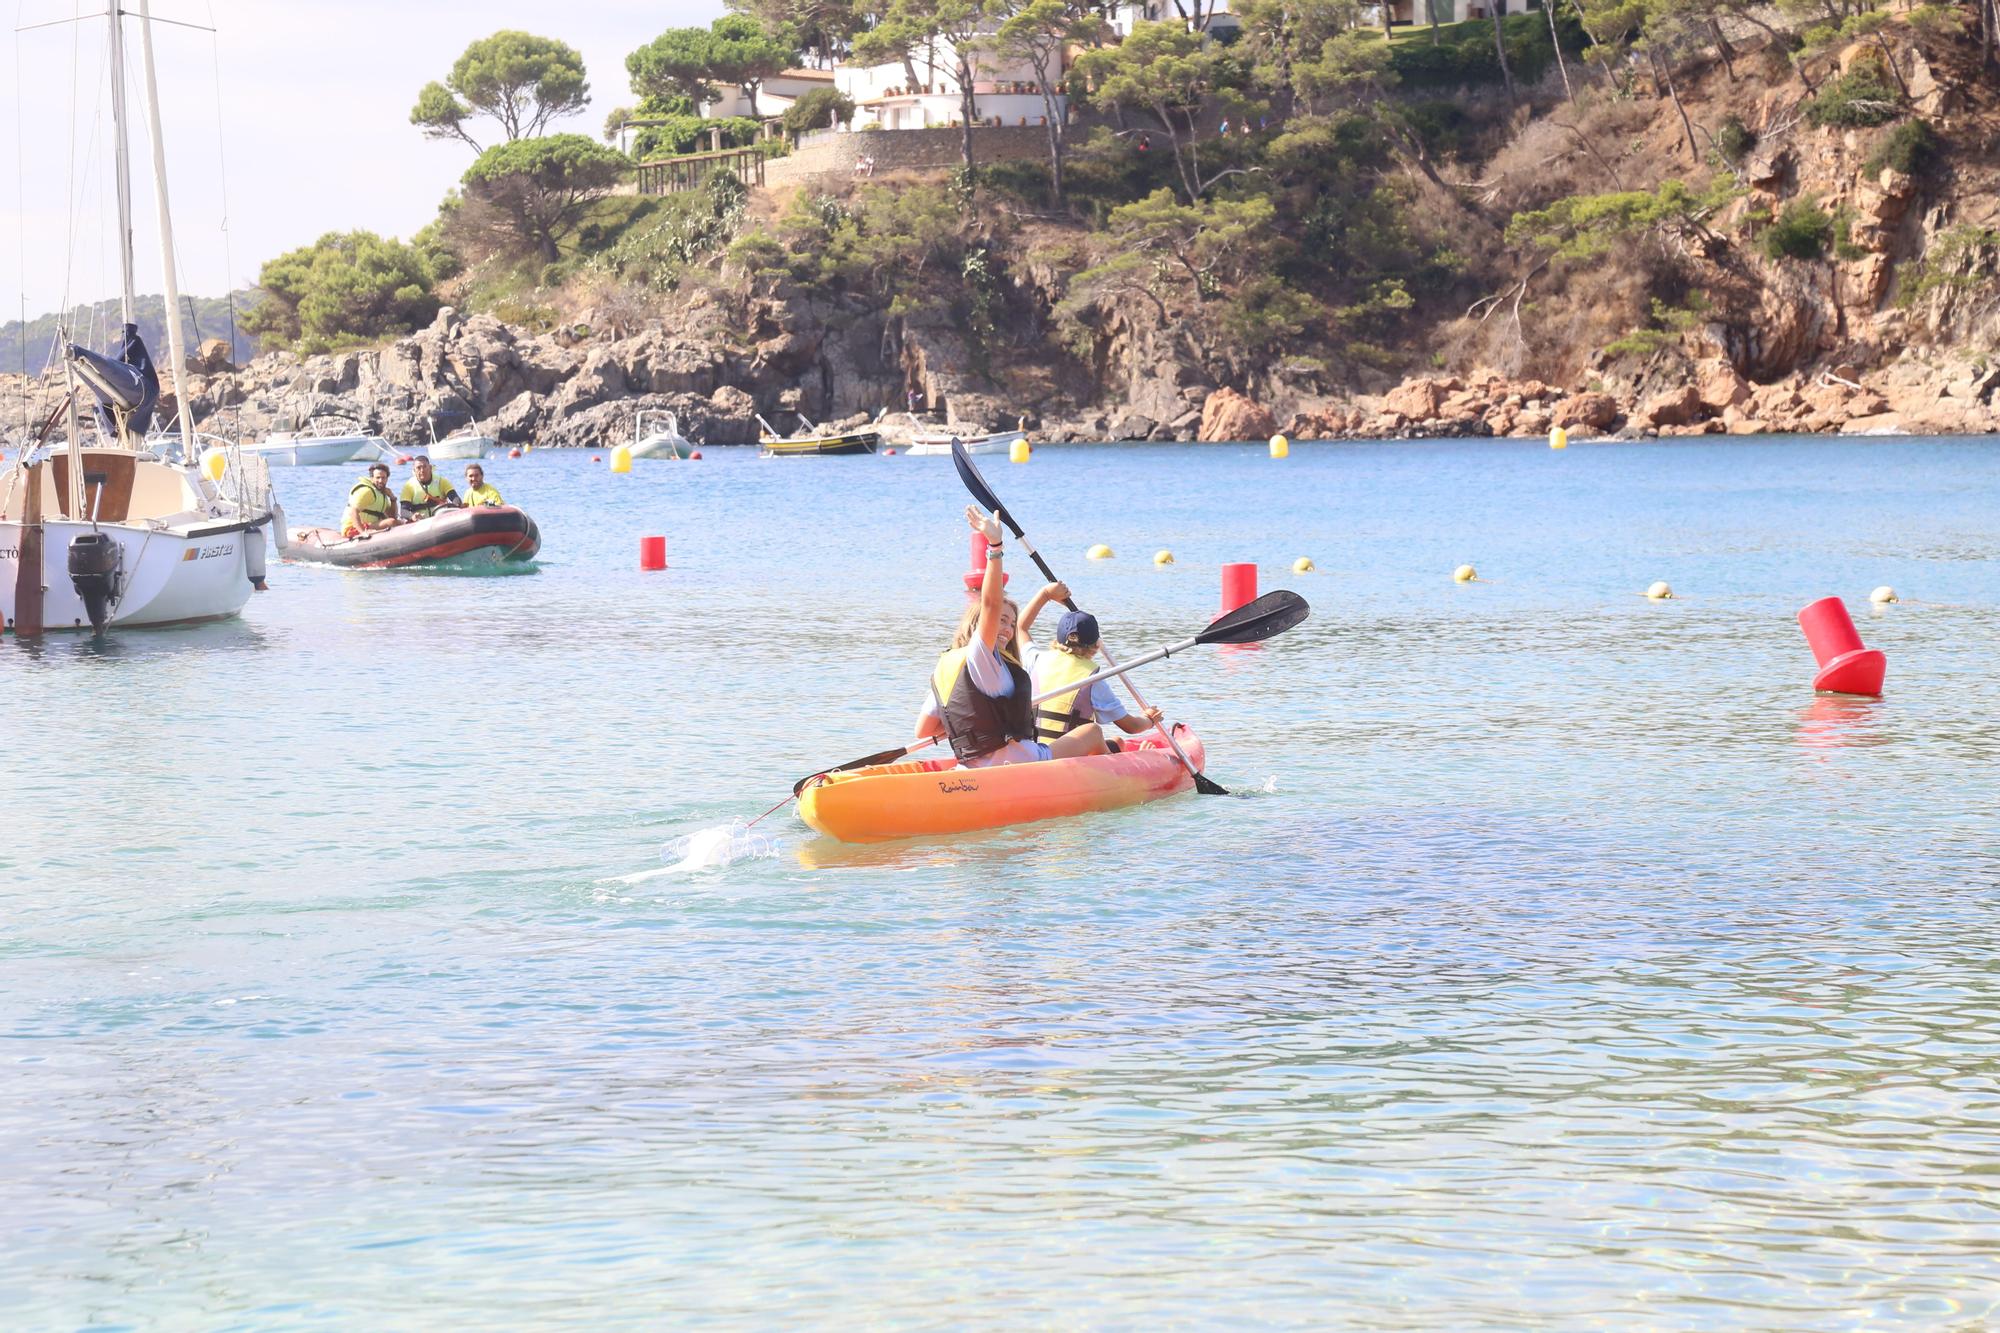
{"points": [[1574, 965]]}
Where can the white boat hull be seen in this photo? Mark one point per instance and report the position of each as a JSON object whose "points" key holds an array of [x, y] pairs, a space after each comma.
{"points": [[662, 446], [318, 452], [168, 578], [933, 445], [453, 448]]}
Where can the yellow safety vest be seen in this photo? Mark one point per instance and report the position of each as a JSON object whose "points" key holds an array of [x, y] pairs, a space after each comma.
{"points": [[483, 494], [1054, 669], [423, 500], [976, 723], [371, 503]]}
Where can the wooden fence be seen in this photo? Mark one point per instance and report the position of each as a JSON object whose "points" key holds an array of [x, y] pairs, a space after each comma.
{"points": [[676, 175]]}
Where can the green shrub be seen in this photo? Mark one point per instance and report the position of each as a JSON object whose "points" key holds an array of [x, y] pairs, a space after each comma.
{"points": [[1911, 148], [1734, 139], [1802, 231], [1465, 56], [817, 109], [1958, 260], [1860, 97]]}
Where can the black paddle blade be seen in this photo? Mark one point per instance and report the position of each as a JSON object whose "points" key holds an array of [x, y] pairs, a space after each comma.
{"points": [[1266, 618], [981, 492], [869, 761]]}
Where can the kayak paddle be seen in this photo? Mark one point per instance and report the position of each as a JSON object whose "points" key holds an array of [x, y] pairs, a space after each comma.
{"points": [[1253, 622], [983, 493]]}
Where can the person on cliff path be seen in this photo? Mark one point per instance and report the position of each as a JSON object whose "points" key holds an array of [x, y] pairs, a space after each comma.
{"points": [[980, 693], [370, 505], [426, 492], [477, 492], [1067, 659]]}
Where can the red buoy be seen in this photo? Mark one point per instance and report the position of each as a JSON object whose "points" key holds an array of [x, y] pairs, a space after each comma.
{"points": [[597, 458], [1239, 586], [696, 455], [1845, 665], [977, 574], [888, 453], [515, 452], [652, 553]]}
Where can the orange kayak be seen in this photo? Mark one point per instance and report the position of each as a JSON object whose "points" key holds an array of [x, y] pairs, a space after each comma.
{"points": [[920, 798]]}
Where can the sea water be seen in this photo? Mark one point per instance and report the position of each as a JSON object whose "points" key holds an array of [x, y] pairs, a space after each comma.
{"points": [[1559, 959]]}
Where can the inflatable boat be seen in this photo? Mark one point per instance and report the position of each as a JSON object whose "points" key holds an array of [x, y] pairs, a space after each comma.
{"points": [[932, 796], [482, 539]]}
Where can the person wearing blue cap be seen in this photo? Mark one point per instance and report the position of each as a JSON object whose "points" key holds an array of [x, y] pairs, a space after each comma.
{"points": [[980, 692], [1068, 660]]}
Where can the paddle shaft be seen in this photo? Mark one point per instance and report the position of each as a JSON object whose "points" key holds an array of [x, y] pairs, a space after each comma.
{"points": [[1112, 667]]}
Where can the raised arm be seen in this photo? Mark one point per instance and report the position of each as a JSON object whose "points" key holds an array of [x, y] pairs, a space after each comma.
{"points": [[992, 589], [1054, 592]]}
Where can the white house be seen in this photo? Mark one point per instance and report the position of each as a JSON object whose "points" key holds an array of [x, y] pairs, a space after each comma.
{"points": [[1125, 13], [1421, 12], [774, 96], [1004, 92]]}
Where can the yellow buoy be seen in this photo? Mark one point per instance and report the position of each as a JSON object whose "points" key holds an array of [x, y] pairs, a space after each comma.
{"points": [[1885, 593], [621, 458], [1098, 552], [1558, 438], [1659, 591], [1280, 447], [1464, 574], [213, 462], [1302, 565], [1163, 557], [1019, 451]]}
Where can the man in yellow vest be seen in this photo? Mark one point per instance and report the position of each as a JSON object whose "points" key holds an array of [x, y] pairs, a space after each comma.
{"points": [[477, 492], [426, 492], [1070, 659], [370, 505]]}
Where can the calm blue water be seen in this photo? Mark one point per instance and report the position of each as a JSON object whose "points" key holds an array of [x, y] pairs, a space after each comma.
{"points": [[1565, 961]]}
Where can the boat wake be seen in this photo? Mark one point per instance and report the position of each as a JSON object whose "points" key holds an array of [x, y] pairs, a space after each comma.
{"points": [[707, 849]]}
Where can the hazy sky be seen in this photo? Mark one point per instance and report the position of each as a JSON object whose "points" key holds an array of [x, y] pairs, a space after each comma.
{"points": [[315, 98]]}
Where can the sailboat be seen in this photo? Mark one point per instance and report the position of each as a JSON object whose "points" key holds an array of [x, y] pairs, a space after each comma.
{"points": [[115, 533]]}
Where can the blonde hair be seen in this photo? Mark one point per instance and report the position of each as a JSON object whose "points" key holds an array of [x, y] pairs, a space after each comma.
{"points": [[968, 625]]}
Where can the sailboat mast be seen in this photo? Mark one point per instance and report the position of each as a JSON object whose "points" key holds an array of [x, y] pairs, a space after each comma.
{"points": [[122, 156], [176, 356]]}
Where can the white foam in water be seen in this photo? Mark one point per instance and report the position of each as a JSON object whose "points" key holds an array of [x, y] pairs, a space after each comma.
{"points": [[708, 849]]}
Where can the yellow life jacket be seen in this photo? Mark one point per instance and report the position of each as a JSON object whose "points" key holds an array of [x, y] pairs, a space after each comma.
{"points": [[1054, 669], [976, 723], [424, 500], [371, 503], [483, 494]]}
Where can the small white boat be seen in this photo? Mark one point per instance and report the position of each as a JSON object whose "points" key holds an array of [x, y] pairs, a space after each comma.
{"points": [[316, 444], [934, 443], [463, 444], [658, 435]]}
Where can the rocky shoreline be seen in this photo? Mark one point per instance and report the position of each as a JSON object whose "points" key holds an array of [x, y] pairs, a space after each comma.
{"points": [[578, 389]]}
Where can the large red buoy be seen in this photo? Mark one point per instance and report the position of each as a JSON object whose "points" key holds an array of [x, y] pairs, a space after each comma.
{"points": [[652, 553], [1239, 586], [977, 574], [1845, 665]]}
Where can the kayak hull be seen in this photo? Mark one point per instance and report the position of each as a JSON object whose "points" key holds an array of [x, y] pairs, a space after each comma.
{"points": [[928, 798], [485, 539]]}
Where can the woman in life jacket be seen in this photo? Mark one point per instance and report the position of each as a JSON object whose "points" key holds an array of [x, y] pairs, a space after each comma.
{"points": [[1071, 657], [980, 692]]}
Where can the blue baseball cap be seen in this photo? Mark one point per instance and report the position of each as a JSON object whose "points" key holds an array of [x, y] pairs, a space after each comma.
{"points": [[1078, 625]]}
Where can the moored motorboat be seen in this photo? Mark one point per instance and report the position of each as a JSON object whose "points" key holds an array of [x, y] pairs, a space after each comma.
{"points": [[315, 445], [808, 446], [658, 435], [485, 538], [923, 798], [938, 443]]}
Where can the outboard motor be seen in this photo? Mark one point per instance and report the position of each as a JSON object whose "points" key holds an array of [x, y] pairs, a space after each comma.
{"points": [[253, 557], [94, 558]]}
